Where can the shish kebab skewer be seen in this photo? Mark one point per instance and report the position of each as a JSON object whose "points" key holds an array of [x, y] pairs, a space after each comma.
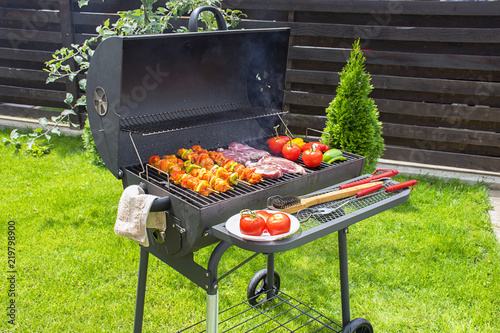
{"points": [[193, 177], [204, 157]]}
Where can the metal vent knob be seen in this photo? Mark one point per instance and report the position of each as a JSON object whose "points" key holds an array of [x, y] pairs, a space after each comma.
{"points": [[100, 101]]}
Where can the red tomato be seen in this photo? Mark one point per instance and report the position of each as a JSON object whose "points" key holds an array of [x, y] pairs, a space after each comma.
{"points": [[251, 224], [312, 157], [153, 160], [265, 215], [320, 146], [276, 145], [291, 151], [278, 223], [284, 137]]}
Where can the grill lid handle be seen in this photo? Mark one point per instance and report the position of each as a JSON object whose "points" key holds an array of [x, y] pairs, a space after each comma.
{"points": [[193, 18]]}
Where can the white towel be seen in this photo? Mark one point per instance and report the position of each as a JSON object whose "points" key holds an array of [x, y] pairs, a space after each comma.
{"points": [[134, 217]]}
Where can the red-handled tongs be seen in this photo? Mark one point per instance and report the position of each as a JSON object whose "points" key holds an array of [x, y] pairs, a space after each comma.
{"points": [[308, 212], [388, 173]]}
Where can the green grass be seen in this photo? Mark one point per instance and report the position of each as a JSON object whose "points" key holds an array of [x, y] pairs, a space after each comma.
{"points": [[429, 265]]}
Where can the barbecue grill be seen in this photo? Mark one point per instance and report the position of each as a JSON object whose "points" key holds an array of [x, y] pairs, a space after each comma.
{"points": [[155, 94]]}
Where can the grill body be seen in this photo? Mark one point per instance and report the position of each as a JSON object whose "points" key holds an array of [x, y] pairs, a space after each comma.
{"points": [[152, 95]]}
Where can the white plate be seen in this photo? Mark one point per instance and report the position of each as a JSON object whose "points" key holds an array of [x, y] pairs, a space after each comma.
{"points": [[233, 226]]}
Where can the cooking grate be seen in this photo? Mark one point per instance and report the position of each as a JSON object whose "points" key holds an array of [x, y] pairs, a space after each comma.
{"points": [[281, 313], [200, 201], [163, 122]]}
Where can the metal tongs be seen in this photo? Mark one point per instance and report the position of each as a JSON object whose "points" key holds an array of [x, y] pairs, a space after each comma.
{"points": [[305, 214]]}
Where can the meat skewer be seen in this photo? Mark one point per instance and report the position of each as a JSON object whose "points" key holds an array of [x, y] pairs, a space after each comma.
{"points": [[229, 164], [190, 176], [212, 157]]}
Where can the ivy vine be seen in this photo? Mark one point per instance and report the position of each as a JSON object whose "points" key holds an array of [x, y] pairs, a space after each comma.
{"points": [[72, 63]]}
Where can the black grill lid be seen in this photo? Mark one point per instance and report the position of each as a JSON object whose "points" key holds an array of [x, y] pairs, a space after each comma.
{"points": [[172, 82]]}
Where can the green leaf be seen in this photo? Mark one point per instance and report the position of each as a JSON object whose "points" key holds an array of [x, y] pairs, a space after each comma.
{"points": [[67, 112], [69, 98], [78, 59], [51, 79], [83, 84], [14, 135], [47, 136], [82, 3], [56, 130], [38, 130], [82, 101], [43, 122]]}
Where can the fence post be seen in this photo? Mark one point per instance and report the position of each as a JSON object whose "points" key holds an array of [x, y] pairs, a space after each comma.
{"points": [[65, 13]]}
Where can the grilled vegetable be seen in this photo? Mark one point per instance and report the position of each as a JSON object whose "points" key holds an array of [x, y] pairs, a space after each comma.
{"points": [[333, 155], [276, 144], [291, 151], [299, 142], [320, 146], [312, 157]]}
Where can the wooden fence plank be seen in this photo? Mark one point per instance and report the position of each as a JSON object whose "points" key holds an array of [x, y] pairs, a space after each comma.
{"points": [[372, 7], [30, 4], [479, 138], [17, 36], [26, 111], [24, 55], [449, 61], [305, 98], [377, 32], [476, 162], [36, 17], [23, 74], [457, 112], [34, 94]]}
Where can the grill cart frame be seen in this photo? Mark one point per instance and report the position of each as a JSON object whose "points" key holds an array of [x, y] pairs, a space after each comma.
{"points": [[208, 278], [155, 94]]}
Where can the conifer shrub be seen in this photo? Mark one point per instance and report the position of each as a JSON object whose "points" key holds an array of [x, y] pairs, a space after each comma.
{"points": [[352, 117]]}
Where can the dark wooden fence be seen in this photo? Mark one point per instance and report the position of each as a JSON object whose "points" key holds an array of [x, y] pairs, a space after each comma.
{"points": [[435, 66]]}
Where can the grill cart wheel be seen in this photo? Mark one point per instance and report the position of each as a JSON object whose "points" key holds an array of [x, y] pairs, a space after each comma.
{"points": [[258, 287], [358, 325]]}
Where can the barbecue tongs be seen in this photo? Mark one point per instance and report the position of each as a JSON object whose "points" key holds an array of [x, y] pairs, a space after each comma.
{"points": [[305, 214]]}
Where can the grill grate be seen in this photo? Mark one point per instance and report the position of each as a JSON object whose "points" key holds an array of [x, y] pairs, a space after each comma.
{"points": [[191, 118], [241, 189], [281, 313], [201, 201]]}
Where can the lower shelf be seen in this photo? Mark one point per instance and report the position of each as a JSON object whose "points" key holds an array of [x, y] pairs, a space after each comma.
{"points": [[281, 313]]}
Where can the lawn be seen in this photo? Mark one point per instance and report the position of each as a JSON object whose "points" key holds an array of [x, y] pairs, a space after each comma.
{"points": [[429, 265]]}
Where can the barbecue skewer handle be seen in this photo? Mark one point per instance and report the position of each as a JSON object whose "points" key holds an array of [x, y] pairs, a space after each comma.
{"points": [[388, 189], [330, 196], [400, 186]]}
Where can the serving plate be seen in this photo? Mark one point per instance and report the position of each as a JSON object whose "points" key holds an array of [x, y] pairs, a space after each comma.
{"points": [[233, 226]]}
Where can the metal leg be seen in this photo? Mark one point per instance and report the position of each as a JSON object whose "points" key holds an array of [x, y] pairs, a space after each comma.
{"points": [[270, 275], [212, 288], [141, 290], [344, 278], [213, 312]]}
